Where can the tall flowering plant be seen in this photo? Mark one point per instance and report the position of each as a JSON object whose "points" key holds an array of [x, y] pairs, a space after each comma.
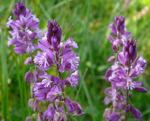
{"points": [[127, 66], [48, 98]]}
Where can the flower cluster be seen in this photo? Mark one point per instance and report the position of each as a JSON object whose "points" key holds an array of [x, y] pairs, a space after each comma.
{"points": [[24, 29], [122, 74], [48, 100], [53, 53]]}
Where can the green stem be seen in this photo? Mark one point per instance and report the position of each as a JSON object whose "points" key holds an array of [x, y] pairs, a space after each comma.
{"points": [[57, 67], [5, 114], [126, 113]]}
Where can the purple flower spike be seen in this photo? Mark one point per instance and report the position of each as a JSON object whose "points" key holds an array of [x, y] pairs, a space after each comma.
{"points": [[127, 65], [47, 53], [24, 31]]}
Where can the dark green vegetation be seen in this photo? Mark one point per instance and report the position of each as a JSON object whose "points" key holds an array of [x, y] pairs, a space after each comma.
{"points": [[87, 21]]}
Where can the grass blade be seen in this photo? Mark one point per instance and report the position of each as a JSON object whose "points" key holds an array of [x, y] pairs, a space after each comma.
{"points": [[5, 114]]}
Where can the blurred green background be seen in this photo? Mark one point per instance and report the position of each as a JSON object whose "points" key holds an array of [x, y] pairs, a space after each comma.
{"points": [[87, 21]]}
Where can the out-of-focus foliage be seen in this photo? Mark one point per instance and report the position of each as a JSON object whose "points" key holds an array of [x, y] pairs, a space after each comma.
{"points": [[87, 21]]}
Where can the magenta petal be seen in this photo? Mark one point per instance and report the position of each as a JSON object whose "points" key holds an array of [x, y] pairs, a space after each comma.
{"points": [[136, 113], [29, 77], [43, 45], [114, 117], [141, 89], [28, 60], [111, 59], [111, 39], [49, 113], [73, 107], [73, 79], [20, 49], [113, 29], [20, 9]]}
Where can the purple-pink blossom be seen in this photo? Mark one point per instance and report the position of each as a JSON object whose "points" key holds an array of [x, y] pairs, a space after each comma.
{"points": [[24, 29], [127, 66], [46, 52]]}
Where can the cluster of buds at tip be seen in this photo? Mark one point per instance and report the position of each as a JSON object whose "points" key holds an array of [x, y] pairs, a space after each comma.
{"points": [[48, 98], [127, 66]]}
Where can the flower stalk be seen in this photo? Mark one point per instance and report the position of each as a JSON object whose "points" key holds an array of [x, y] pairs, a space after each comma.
{"points": [[46, 50], [127, 66]]}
